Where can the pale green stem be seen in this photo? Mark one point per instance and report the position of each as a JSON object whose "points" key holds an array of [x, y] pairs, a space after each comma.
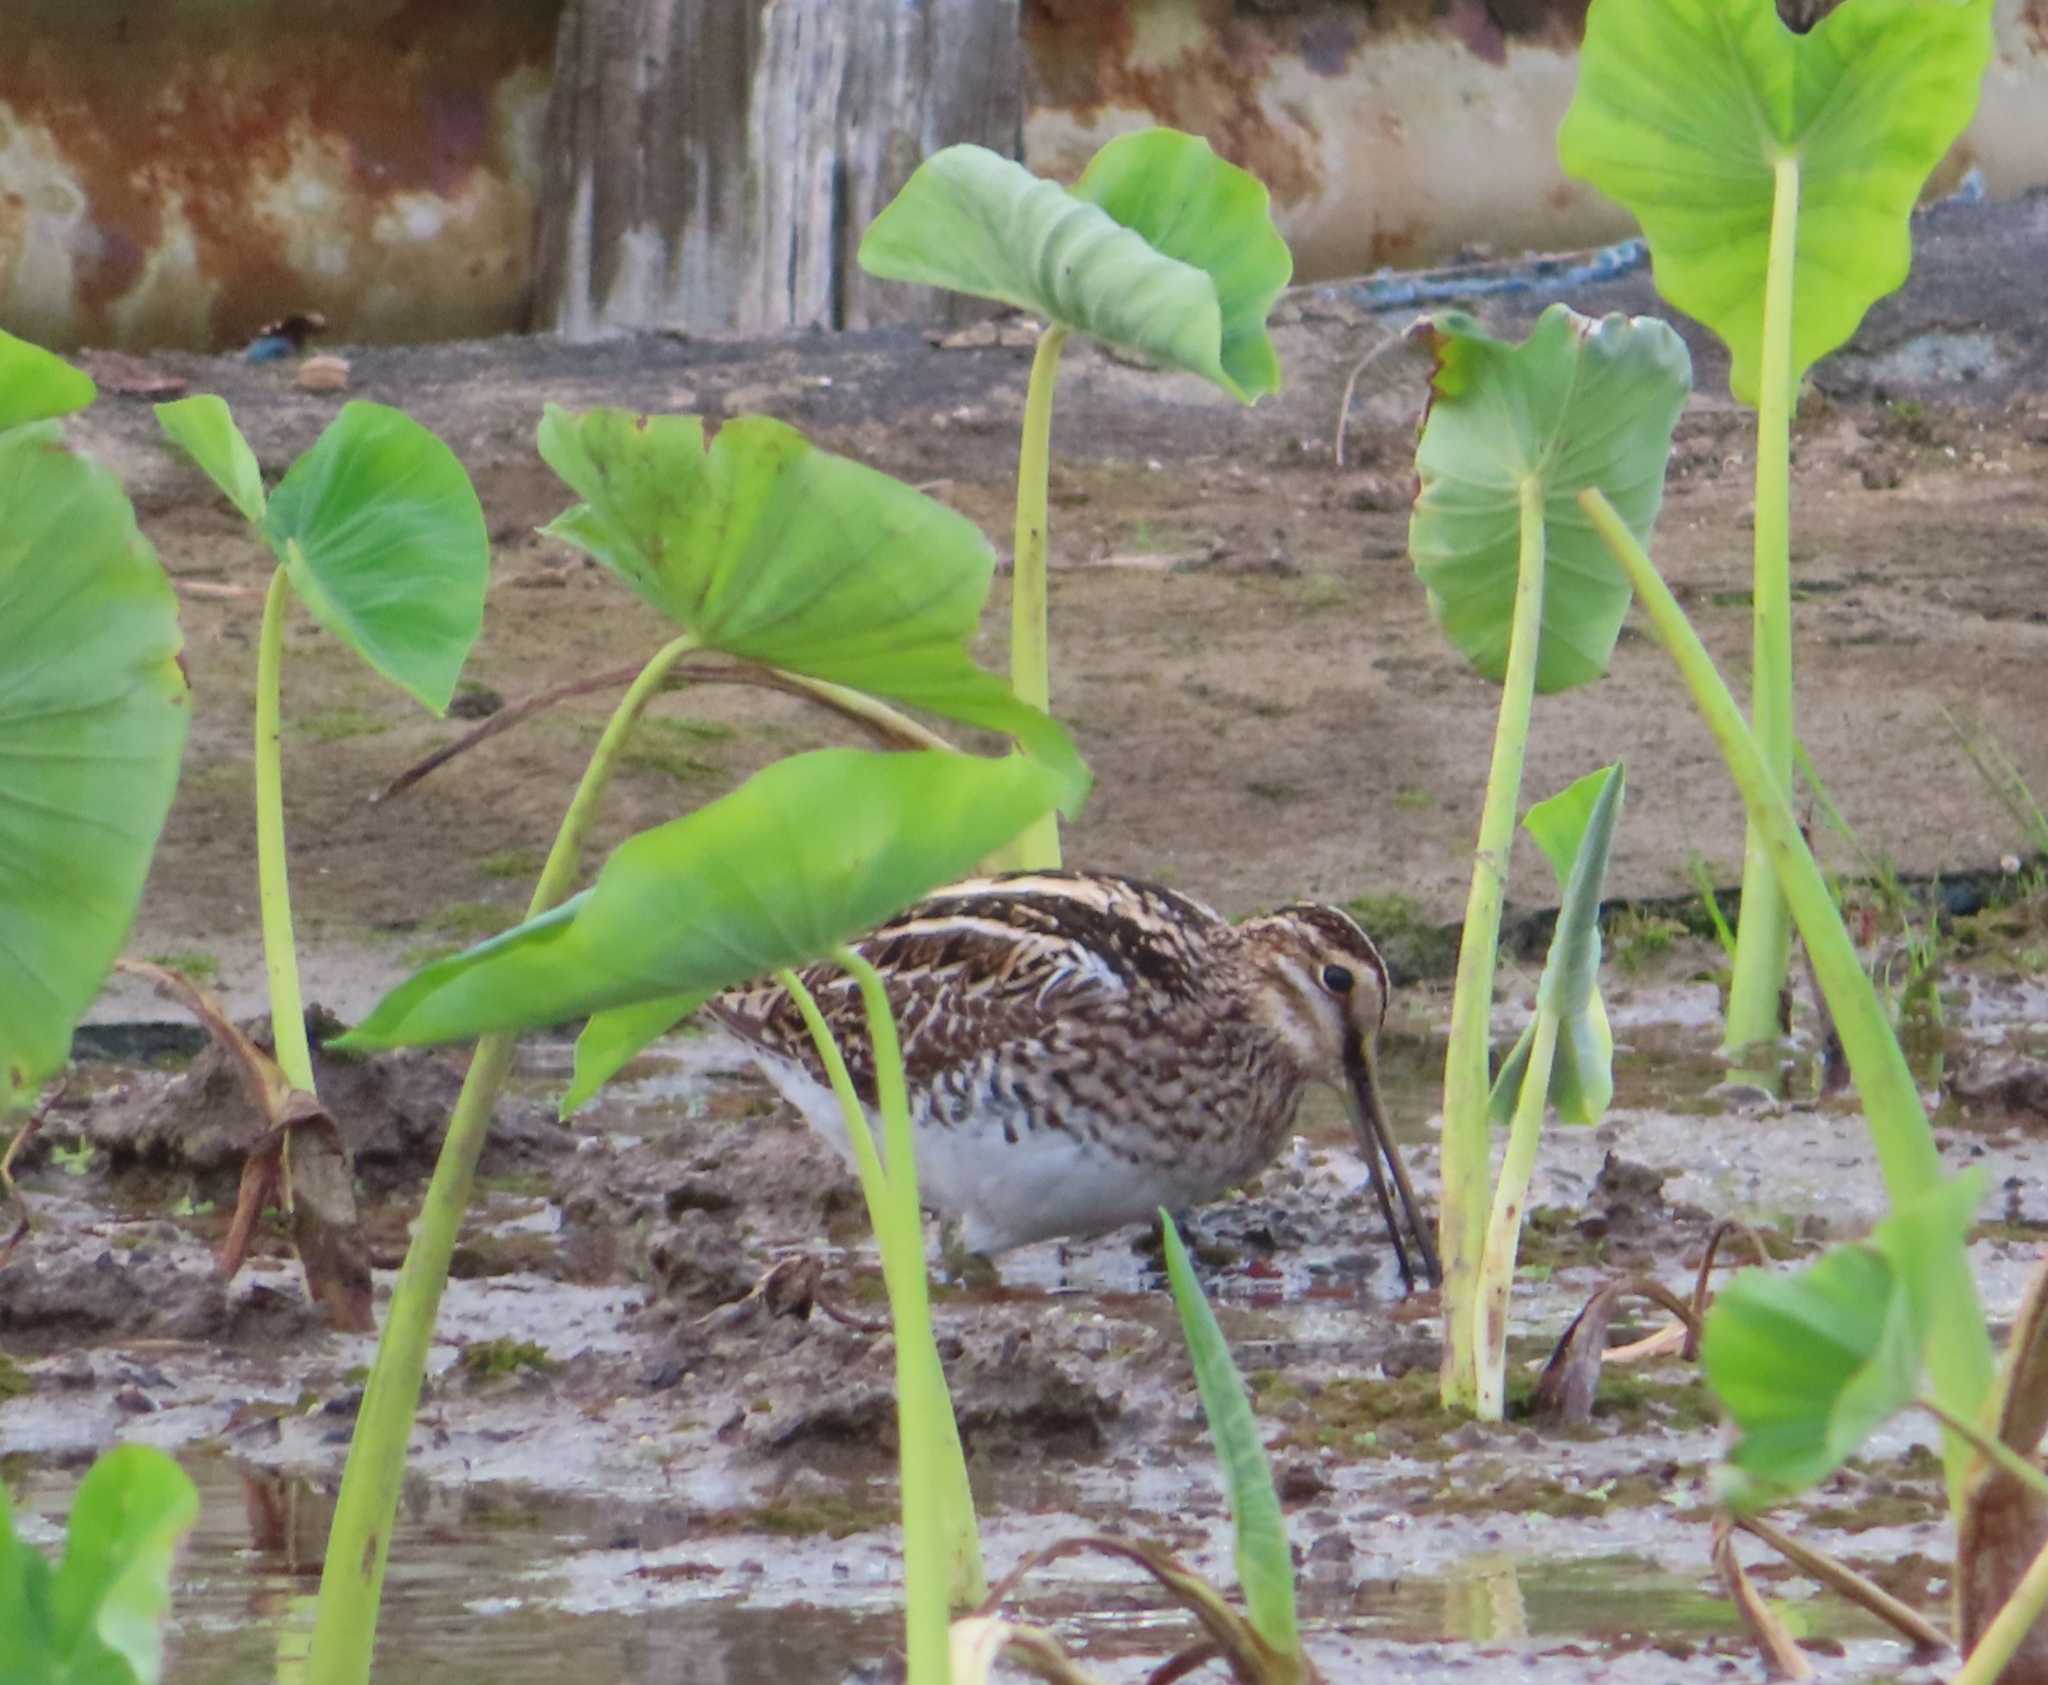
{"points": [[903, 1262], [359, 1541], [1959, 1347], [2001, 1640], [1467, 1142], [1990, 1447], [1504, 1231], [1030, 659], [938, 1507], [1763, 935], [867, 1163], [273, 891]]}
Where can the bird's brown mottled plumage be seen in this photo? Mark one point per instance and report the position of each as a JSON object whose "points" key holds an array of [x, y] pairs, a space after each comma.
{"points": [[1081, 1048]]}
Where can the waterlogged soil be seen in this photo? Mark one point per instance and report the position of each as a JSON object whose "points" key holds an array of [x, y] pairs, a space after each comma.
{"points": [[657, 1436]]}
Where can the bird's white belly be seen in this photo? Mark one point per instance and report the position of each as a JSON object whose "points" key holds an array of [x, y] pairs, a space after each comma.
{"points": [[1007, 1191]]}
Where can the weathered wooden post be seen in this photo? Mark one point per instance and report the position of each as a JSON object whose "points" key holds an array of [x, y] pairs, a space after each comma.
{"points": [[710, 164]]}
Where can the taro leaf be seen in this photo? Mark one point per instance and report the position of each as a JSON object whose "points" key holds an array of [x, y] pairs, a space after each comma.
{"points": [[806, 854], [1161, 248], [207, 433], [1683, 106], [774, 551], [93, 709], [1265, 1566], [1575, 829], [1809, 1365], [97, 1618], [615, 1036], [36, 385], [384, 539], [1579, 403]]}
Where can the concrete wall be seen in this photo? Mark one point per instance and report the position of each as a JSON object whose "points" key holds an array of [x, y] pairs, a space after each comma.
{"points": [[180, 173]]}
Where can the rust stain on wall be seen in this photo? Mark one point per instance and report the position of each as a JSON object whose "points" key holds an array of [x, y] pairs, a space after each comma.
{"points": [[196, 171], [1085, 57]]}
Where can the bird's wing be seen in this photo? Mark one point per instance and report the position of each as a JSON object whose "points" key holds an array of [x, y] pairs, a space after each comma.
{"points": [[990, 963]]}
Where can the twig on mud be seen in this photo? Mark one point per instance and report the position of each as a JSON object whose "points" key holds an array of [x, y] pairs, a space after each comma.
{"points": [[1351, 383], [887, 727], [1782, 1658], [22, 1137], [1929, 1641]]}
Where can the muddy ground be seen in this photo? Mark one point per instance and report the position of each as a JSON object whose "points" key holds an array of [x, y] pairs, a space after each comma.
{"points": [[625, 1458]]}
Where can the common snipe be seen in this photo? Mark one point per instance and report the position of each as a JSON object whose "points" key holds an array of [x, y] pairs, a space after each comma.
{"points": [[1082, 1049]]}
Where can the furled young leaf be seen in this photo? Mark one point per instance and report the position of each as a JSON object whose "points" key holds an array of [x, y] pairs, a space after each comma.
{"points": [[1575, 830], [384, 539], [1265, 1566], [97, 1619], [38, 385], [1161, 249], [616, 1036], [93, 709], [1684, 106], [1809, 1365], [772, 550], [1578, 403], [806, 854], [206, 432]]}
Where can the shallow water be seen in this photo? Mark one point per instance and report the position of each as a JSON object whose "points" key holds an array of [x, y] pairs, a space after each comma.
{"points": [[491, 1584]]}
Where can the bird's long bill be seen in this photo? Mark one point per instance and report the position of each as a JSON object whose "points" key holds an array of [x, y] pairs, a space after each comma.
{"points": [[1376, 1142]]}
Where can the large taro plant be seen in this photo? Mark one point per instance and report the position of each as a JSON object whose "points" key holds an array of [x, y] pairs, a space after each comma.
{"points": [[755, 545], [1773, 175], [1957, 1346], [1521, 586], [378, 534], [1160, 250], [93, 710]]}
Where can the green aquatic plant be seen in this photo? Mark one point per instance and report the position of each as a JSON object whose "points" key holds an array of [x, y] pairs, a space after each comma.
{"points": [[1564, 1060], [1160, 250], [378, 534], [1959, 1349], [1519, 583], [1809, 1366], [93, 710], [1774, 176], [97, 1617], [760, 546], [1263, 1645]]}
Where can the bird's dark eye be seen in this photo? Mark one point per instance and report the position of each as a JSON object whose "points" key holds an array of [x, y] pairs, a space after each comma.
{"points": [[1337, 979]]}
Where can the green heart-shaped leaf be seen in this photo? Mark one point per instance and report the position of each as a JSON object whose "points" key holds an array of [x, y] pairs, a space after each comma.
{"points": [[1575, 829], [93, 709], [1161, 249], [207, 433], [1809, 1365], [98, 1619], [1684, 108], [384, 539], [806, 854], [770, 549], [614, 1037], [1579, 403], [37, 385]]}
